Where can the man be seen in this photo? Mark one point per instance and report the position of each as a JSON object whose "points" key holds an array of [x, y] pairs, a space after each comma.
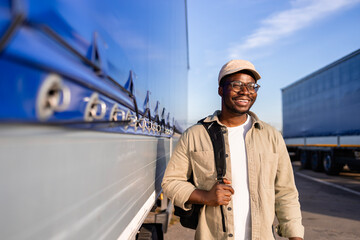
{"points": [[259, 180]]}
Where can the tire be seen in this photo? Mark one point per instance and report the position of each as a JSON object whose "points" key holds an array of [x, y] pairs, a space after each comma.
{"points": [[316, 163], [305, 162], [331, 167]]}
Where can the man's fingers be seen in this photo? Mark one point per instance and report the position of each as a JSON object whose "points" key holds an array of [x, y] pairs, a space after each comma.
{"points": [[228, 194], [225, 201], [226, 181], [231, 190], [228, 188]]}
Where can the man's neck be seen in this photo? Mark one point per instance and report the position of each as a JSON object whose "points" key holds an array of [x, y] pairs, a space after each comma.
{"points": [[232, 121]]}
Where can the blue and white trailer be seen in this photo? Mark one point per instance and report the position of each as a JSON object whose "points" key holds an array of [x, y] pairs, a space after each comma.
{"points": [[93, 94]]}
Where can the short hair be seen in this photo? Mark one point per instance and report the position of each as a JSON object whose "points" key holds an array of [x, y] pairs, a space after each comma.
{"points": [[223, 80]]}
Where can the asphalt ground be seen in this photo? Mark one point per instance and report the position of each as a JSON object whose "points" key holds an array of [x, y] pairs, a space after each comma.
{"points": [[330, 204], [330, 207]]}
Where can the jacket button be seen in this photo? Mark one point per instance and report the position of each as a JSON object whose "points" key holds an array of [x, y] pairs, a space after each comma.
{"points": [[229, 208], [230, 235], [223, 131], [226, 155]]}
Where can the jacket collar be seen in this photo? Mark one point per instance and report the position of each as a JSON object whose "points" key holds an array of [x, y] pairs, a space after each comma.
{"points": [[215, 117]]}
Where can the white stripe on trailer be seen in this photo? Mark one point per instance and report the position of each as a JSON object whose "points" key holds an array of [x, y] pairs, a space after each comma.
{"points": [[350, 140], [295, 141], [131, 230], [330, 141]]}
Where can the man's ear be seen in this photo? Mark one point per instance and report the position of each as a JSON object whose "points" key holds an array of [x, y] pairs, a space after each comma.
{"points": [[220, 91]]}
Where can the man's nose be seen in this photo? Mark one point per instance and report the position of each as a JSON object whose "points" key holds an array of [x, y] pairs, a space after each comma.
{"points": [[244, 90]]}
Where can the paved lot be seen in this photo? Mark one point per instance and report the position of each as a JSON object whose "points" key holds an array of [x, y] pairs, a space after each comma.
{"points": [[329, 213], [177, 232]]}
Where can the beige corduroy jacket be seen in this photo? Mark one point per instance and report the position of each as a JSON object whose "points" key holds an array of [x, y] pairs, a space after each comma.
{"points": [[271, 181]]}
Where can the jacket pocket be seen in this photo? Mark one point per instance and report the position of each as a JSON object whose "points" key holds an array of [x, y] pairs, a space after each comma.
{"points": [[268, 168], [203, 168]]}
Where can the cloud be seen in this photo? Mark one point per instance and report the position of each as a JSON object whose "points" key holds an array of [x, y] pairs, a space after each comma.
{"points": [[302, 14]]}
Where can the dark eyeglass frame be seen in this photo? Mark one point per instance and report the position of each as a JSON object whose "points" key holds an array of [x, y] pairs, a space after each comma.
{"points": [[251, 87]]}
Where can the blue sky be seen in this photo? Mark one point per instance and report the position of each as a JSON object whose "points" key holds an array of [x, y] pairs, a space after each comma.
{"points": [[286, 40]]}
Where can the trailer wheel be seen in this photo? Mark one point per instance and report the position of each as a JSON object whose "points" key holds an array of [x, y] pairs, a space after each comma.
{"points": [[331, 167], [316, 163], [305, 162], [150, 232]]}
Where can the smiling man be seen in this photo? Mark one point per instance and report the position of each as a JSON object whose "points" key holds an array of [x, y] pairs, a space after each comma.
{"points": [[259, 181]]}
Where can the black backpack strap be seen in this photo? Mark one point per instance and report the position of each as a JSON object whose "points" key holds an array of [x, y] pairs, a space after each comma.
{"points": [[217, 140]]}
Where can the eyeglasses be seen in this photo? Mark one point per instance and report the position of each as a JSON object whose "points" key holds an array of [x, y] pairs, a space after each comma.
{"points": [[251, 87]]}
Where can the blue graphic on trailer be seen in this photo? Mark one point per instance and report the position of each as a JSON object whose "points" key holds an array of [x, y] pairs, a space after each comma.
{"points": [[66, 62]]}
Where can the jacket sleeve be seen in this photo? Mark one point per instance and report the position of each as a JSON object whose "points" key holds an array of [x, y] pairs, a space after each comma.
{"points": [[175, 184], [287, 206]]}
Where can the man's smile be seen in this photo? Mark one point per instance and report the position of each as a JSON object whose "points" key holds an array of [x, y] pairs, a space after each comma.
{"points": [[241, 102]]}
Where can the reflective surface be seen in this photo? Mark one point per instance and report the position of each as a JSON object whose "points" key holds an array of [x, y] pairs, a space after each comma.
{"points": [[326, 102], [81, 83], [75, 184], [147, 38]]}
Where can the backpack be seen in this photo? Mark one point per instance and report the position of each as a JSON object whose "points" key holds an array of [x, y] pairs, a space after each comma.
{"points": [[190, 218]]}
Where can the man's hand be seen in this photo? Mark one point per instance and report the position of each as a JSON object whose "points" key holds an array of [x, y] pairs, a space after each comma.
{"points": [[219, 194]]}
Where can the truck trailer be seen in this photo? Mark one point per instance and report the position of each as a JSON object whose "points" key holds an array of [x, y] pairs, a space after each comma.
{"points": [[90, 114], [321, 117]]}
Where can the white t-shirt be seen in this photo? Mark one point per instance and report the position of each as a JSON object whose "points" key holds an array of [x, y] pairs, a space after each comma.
{"points": [[240, 183]]}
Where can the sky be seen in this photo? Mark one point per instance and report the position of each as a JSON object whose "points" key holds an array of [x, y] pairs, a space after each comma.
{"points": [[286, 40]]}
